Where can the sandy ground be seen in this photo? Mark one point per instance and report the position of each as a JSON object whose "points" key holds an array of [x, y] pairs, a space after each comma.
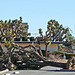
{"points": [[48, 70]]}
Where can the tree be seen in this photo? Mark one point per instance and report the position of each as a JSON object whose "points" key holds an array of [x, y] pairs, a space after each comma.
{"points": [[73, 40], [55, 32], [10, 30]]}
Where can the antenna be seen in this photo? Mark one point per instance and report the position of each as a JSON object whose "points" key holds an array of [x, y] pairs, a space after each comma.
{"points": [[35, 34]]}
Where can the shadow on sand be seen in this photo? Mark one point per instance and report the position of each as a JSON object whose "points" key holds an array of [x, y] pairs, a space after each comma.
{"points": [[61, 70]]}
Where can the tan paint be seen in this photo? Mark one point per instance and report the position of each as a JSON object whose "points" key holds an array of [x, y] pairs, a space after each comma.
{"points": [[52, 47]]}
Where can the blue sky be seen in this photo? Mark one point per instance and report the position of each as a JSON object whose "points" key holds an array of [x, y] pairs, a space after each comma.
{"points": [[38, 12]]}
